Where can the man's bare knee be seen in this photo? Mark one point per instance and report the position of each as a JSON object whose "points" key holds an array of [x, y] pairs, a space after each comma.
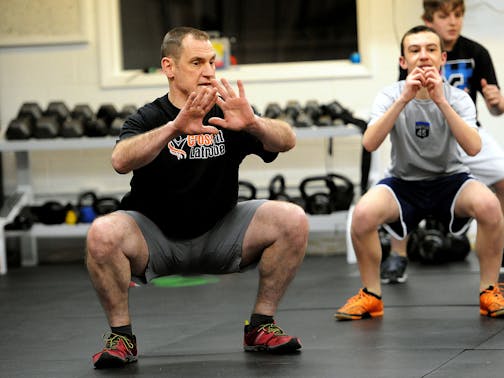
{"points": [[102, 238]]}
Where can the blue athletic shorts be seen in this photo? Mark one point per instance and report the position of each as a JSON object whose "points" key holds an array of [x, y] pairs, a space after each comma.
{"points": [[419, 199], [218, 251]]}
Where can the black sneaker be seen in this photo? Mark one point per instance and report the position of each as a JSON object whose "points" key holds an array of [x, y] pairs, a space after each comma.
{"points": [[393, 269]]}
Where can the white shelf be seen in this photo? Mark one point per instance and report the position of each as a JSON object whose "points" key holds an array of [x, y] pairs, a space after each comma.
{"points": [[24, 195], [326, 131], [109, 141], [57, 144]]}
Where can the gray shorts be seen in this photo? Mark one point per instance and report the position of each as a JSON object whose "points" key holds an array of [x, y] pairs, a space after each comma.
{"points": [[488, 165], [217, 251]]}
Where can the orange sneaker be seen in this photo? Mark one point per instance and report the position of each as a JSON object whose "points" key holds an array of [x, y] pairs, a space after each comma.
{"points": [[364, 305], [492, 302]]}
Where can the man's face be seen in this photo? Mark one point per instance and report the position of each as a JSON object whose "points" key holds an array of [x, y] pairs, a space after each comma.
{"points": [[195, 67], [422, 50], [448, 24]]}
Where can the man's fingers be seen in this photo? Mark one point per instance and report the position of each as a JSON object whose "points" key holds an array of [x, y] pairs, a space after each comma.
{"points": [[203, 100], [217, 121], [229, 89], [220, 89], [224, 89], [241, 89], [210, 130], [209, 97]]}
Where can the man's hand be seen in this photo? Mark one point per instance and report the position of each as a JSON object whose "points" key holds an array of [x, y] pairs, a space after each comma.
{"points": [[238, 113], [190, 118]]}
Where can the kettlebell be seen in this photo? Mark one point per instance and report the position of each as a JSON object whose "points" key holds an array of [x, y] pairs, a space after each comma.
{"points": [[277, 189], [246, 191], [384, 242], [334, 193], [429, 244], [85, 205]]}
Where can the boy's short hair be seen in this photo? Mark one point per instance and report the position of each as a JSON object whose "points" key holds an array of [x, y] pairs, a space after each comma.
{"points": [[431, 6], [421, 29]]}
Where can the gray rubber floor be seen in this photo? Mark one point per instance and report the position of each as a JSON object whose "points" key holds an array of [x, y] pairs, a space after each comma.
{"points": [[51, 324]]}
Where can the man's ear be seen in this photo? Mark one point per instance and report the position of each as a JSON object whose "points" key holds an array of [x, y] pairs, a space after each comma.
{"points": [[402, 63], [444, 56], [167, 66]]}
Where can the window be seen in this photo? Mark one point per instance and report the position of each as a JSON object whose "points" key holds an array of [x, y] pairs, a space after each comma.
{"points": [[114, 74], [260, 31]]}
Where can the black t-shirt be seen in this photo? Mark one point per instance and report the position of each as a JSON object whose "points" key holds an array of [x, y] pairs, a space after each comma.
{"points": [[193, 182], [467, 63]]}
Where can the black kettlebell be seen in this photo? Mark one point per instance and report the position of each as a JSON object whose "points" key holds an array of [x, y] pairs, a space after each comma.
{"points": [[246, 191], [341, 191], [335, 193], [458, 247], [51, 212], [428, 244], [105, 205], [384, 242], [277, 189], [318, 202]]}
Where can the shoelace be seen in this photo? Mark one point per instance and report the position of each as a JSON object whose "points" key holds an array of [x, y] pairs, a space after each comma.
{"points": [[271, 328], [113, 339], [356, 297]]}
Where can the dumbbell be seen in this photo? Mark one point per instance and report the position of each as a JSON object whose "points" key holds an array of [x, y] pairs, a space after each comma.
{"points": [[273, 110], [23, 125], [313, 111], [117, 123], [99, 125], [295, 115], [338, 112], [127, 110], [108, 113], [292, 109], [73, 127], [49, 125]]}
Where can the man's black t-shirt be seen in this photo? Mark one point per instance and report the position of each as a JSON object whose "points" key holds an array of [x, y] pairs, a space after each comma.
{"points": [[193, 182]]}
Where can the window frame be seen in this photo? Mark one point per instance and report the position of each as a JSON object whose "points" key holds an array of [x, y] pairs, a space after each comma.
{"points": [[112, 74]]}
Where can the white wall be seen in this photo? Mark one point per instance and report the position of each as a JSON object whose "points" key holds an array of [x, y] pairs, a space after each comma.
{"points": [[74, 73]]}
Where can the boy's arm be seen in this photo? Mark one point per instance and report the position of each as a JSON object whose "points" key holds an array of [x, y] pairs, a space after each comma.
{"points": [[467, 137], [374, 136]]}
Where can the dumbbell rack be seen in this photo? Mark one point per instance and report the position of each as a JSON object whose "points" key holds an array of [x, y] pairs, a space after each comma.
{"points": [[24, 192], [24, 195]]}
